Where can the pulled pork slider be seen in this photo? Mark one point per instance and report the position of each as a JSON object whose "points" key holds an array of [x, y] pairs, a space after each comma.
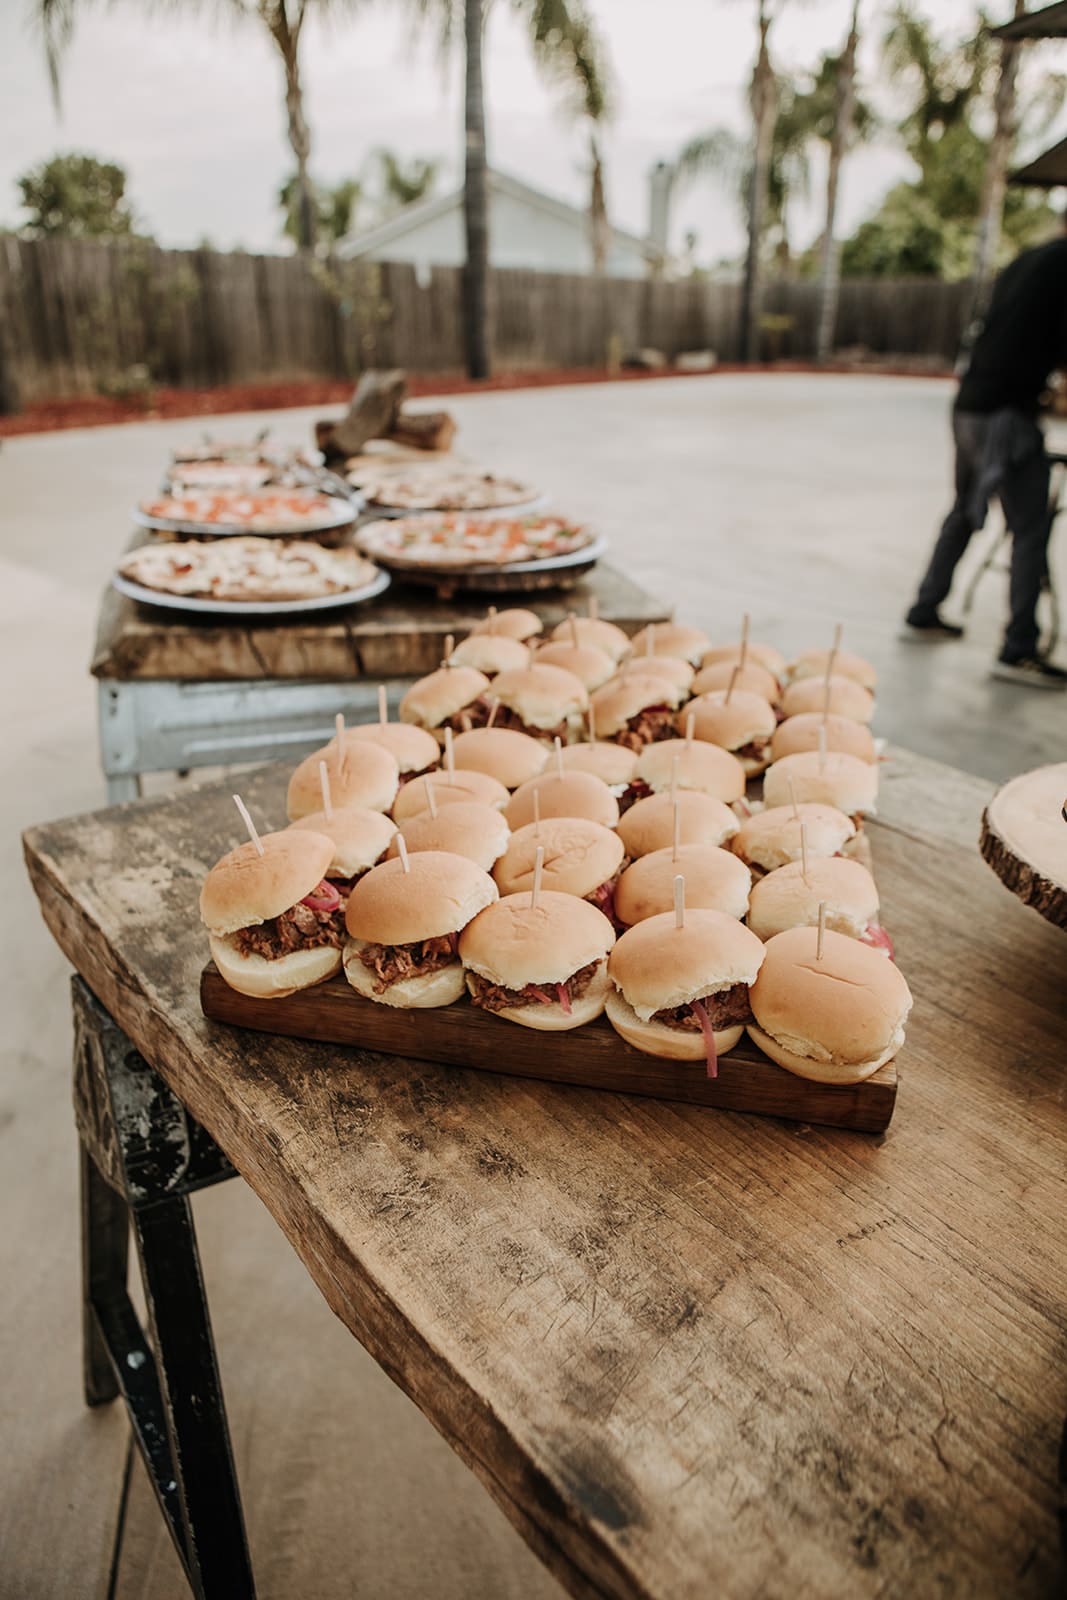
{"points": [[772, 837], [765, 654], [636, 709], [490, 653], [673, 668], [403, 928], [449, 789], [450, 697], [416, 751], [592, 631], [360, 840], [842, 733], [752, 678], [671, 639], [649, 825], [575, 794], [582, 859], [613, 764], [360, 774], [274, 924], [701, 766], [715, 880], [589, 664], [514, 623], [543, 701], [506, 755], [836, 1019], [466, 829], [813, 664], [683, 992], [847, 698], [786, 898], [840, 780], [743, 725], [543, 965]]}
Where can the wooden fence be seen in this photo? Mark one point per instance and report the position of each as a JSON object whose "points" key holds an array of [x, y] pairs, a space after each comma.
{"points": [[78, 317]]}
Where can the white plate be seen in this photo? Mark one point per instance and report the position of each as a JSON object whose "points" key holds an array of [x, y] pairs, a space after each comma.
{"points": [[347, 511], [574, 558], [249, 608], [525, 508]]}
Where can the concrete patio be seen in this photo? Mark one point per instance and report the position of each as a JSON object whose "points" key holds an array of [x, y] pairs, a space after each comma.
{"points": [[805, 501]]}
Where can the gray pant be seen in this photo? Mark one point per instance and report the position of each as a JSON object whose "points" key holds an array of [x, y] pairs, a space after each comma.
{"points": [[1001, 453]]}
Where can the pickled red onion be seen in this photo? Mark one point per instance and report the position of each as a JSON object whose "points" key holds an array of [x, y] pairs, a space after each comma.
{"points": [[876, 936], [545, 999], [564, 997], [323, 897], [709, 1037]]}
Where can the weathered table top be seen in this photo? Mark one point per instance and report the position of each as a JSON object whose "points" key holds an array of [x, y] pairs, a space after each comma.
{"points": [[399, 636], [689, 1352]]}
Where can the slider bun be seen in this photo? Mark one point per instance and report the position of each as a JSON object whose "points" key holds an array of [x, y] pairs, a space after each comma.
{"points": [[700, 766], [747, 717], [414, 748], [843, 781], [513, 943], [673, 668], [812, 664], [465, 785], [490, 653], [246, 888], [649, 825], [752, 678], [576, 794], [360, 774], [469, 829], [671, 639], [627, 696], [801, 732], [657, 965], [516, 622], [591, 665], [786, 899], [579, 856], [553, 1019], [505, 754], [613, 764], [765, 654], [836, 1020], [439, 894], [541, 695], [597, 633], [439, 988], [272, 980], [359, 837], [438, 696], [847, 698], [772, 837], [715, 880], [656, 1039]]}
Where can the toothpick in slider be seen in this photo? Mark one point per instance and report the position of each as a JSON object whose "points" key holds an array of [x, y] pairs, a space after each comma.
{"points": [[249, 824], [822, 746], [402, 851], [804, 851], [383, 705], [679, 900], [450, 645], [557, 745], [342, 750], [324, 784], [430, 799], [733, 681], [539, 863], [491, 622], [677, 838], [822, 930], [690, 729], [450, 757], [793, 799], [493, 709], [573, 620], [592, 723]]}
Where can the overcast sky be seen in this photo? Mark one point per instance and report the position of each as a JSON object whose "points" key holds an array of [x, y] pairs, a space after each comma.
{"points": [[194, 110]]}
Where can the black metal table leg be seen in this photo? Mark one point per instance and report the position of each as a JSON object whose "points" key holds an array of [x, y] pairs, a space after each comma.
{"points": [[142, 1156]]}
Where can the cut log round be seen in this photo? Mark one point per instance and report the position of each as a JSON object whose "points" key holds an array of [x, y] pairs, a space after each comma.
{"points": [[1024, 839]]}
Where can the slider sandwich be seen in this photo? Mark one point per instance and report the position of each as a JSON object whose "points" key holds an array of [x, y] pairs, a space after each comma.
{"points": [[673, 668], [416, 751], [772, 837], [360, 841], [490, 653], [360, 774], [575, 794], [740, 722], [789, 897], [613, 764], [451, 697], [847, 698], [542, 701], [581, 859], [467, 828], [449, 789], [649, 825], [591, 665], [753, 678], [636, 709], [592, 631], [514, 623], [715, 880], [506, 755], [765, 654], [813, 664], [803, 732], [700, 765], [836, 779], [541, 964], [671, 639]]}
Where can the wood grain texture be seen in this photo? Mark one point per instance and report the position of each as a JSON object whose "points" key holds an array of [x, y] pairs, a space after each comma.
{"points": [[399, 636], [1024, 840], [688, 1352], [593, 1056]]}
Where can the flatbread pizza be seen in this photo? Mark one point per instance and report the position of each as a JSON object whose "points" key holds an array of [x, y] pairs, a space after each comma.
{"points": [[253, 510], [247, 569], [433, 486], [455, 542]]}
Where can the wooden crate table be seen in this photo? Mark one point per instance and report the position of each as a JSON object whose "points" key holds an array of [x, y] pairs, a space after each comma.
{"points": [[689, 1352], [177, 691]]}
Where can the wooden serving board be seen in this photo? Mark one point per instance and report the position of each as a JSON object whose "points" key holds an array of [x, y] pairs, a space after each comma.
{"points": [[593, 1055]]}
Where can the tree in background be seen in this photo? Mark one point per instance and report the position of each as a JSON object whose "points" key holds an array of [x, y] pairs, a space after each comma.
{"points": [[336, 209], [843, 123], [763, 103], [399, 184], [284, 21], [76, 197]]}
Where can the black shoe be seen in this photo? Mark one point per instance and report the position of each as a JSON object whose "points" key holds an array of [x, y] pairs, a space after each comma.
{"points": [[929, 625], [1030, 671]]}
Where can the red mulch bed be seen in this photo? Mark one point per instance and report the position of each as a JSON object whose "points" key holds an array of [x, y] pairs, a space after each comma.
{"points": [[96, 411]]}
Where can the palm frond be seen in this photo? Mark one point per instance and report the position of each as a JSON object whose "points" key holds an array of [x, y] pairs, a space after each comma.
{"points": [[570, 52]]}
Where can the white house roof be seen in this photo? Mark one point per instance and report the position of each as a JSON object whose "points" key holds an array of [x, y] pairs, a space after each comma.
{"points": [[414, 216]]}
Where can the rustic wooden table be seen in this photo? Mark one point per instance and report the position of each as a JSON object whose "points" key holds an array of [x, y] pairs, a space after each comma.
{"points": [[177, 691], [689, 1352]]}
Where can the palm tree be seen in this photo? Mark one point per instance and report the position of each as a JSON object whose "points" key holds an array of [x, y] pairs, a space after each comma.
{"points": [[1005, 128], [944, 81], [284, 21], [402, 185], [763, 103], [844, 121]]}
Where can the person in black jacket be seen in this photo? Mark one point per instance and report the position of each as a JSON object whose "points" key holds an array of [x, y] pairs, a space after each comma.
{"points": [[1000, 450]]}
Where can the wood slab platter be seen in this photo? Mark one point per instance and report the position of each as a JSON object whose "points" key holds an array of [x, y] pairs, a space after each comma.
{"points": [[1024, 839], [594, 1055]]}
